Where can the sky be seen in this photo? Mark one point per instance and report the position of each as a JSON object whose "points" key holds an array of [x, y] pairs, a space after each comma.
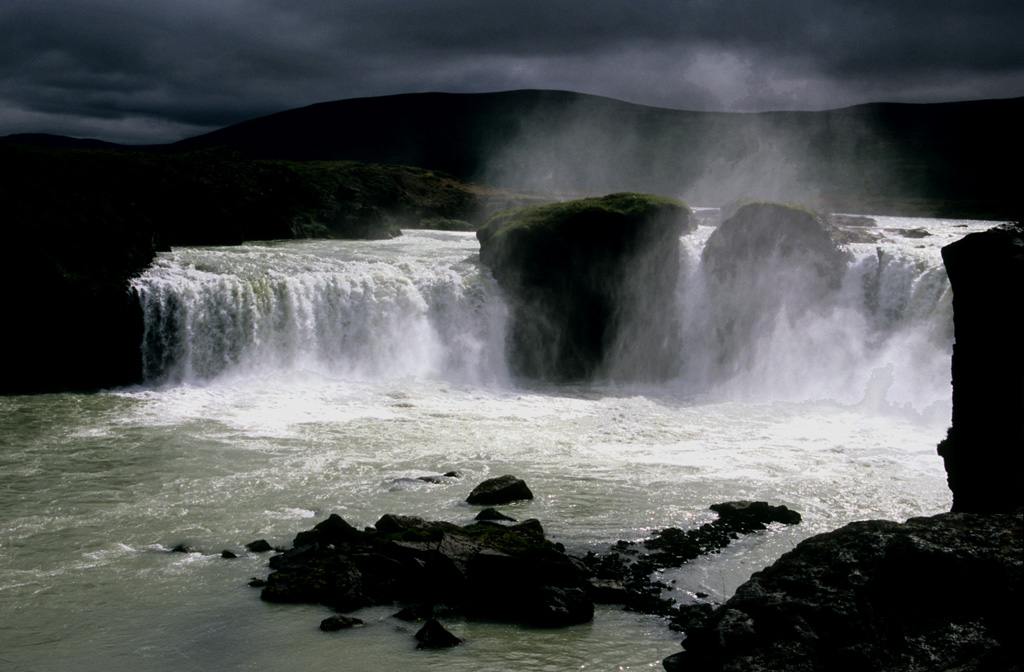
{"points": [[148, 71]]}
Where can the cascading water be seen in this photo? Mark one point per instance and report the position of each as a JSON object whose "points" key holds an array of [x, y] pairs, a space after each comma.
{"points": [[336, 310], [288, 381], [318, 308]]}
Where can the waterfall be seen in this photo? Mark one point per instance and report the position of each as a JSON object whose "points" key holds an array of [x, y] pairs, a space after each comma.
{"points": [[299, 308], [424, 307]]}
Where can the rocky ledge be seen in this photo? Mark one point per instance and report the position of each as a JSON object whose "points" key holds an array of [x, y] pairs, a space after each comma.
{"points": [[939, 593]]}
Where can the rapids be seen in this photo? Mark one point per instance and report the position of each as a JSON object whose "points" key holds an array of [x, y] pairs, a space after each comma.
{"points": [[291, 380]]}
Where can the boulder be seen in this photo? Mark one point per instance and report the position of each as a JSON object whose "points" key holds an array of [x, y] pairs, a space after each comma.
{"points": [[939, 593], [500, 490], [765, 260], [587, 278], [258, 546], [433, 635], [984, 449], [491, 513]]}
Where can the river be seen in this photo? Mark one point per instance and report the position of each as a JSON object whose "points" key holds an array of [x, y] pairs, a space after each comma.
{"points": [[291, 380]]}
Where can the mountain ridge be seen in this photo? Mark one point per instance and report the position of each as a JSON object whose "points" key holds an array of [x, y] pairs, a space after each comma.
{"points": [[879, 158]]}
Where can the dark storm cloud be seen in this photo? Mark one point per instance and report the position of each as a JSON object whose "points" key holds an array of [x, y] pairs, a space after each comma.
{"points": [[163, 69]]}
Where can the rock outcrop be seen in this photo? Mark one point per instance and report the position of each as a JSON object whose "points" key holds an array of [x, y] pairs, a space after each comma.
{"points": [[939, 593], [500, 490], [491, 570], [577, 273], [984, 449], [627, 574], [764, 259], [487, 570]]}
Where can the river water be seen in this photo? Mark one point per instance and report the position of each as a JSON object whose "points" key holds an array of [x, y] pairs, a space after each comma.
{"points": [[291, 380]]}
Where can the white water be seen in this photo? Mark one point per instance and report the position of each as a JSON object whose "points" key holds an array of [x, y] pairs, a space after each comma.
{"points": [[293, 380]]}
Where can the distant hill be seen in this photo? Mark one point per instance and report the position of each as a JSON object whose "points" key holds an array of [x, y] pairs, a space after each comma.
{"points": [[879, 158]]}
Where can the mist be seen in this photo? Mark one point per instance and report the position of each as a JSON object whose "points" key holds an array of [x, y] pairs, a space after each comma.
{"points": [[596, 146]]}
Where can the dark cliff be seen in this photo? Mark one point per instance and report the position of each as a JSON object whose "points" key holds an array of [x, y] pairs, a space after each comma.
{"points": [[984, 450]]}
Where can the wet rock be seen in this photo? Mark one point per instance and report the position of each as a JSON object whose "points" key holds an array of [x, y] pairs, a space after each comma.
{"points": [[686, 618], [334, 530], [228, 555], [754, 515], [766, 260], [305, 576], [433, 480], [608, 591], [500, 572], [632, 565], [414, 613], [184, 548], [433, 635], [500, 490], [339, 622], [412, 526], [258, 546], [493, 514], [937, 593]]}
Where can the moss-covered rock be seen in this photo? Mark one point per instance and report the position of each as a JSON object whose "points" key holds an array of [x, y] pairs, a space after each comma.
{"points": [[577, 272]]}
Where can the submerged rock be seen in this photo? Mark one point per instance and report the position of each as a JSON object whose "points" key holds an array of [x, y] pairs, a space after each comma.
{"points": [[586, 278], [500, 490], [937, 593], [339, 622]]}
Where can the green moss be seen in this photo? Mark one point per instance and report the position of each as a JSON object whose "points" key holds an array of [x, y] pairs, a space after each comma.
{"points": [[550, 216], [732, 207]]}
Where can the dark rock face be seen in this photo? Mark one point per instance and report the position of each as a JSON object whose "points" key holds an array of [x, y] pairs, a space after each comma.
{"points": [[580, 274], [938, 593], [984, 450], [764, 259], [500, 490]]}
